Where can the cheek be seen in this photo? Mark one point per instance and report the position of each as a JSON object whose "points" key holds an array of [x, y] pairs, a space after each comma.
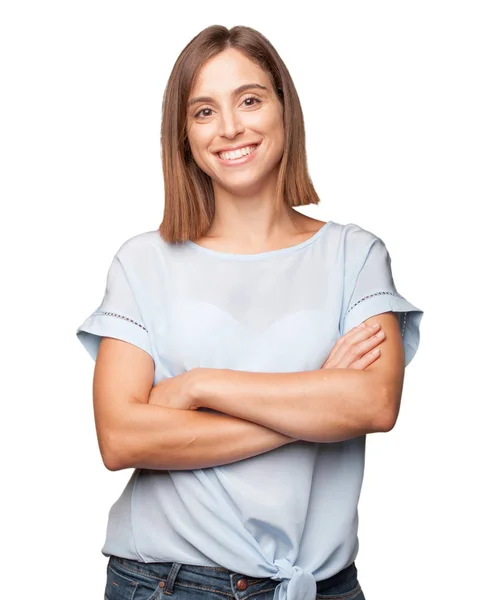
{"points": [[269, 121], [198, 139], [275, 128], [199, 143]]}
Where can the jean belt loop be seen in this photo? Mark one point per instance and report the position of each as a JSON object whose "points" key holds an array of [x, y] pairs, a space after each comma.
{"points": [[171, 578]]}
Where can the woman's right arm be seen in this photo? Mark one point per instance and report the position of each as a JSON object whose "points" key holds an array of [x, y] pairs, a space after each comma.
{"points": [[134, 434]]}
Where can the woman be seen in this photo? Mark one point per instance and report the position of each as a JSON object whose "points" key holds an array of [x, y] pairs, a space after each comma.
{"points": [[231, 372]]}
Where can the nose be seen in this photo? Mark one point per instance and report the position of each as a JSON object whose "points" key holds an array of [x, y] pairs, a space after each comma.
{"points": [[230, 124]]}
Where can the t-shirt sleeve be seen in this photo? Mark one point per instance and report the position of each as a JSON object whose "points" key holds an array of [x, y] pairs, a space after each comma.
{"points": [[118, 315], [373, 291]]}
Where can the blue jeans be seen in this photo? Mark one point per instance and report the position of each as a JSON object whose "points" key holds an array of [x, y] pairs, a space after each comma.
{"points": [[133, 580]]}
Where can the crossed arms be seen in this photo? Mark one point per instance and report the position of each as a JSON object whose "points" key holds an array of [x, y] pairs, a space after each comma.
{"points": [[257, 411]]}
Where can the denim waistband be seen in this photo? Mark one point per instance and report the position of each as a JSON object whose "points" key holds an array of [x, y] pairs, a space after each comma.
{"points": [[219, 579]]}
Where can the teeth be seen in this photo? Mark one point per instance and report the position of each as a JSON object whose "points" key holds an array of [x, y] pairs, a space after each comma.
{"points": [[236, 153]]}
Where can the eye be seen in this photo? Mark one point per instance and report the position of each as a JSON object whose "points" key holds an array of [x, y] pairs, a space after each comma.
{"points": [[254, 98], [258, 101], [198, 114]]}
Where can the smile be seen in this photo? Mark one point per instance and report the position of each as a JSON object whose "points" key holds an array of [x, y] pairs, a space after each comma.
{"points": [[237, 157]]}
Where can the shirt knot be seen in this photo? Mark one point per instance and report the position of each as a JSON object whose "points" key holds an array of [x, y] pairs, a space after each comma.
{"points": [[296, 583]]}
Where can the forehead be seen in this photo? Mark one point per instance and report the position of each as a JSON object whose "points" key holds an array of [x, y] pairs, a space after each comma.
{"points": [[226, 71]]}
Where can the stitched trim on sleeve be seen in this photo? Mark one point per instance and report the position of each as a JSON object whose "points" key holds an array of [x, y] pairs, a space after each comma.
{"points": [[370, 296], [377, 294], [111, 314]]}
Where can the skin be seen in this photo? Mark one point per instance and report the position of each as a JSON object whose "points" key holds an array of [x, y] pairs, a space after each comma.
{"points": [[256, 397], [156, 427], [248, 220]]}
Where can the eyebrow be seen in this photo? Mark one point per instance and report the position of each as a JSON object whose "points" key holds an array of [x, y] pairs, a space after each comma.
{"points": [[246, 86]]}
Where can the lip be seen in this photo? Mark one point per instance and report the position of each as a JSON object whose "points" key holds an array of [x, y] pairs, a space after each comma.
{"points": [[238, 147], [238, 161]]}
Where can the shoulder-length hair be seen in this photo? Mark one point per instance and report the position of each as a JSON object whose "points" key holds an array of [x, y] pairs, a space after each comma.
{"points": [[189, 197]]}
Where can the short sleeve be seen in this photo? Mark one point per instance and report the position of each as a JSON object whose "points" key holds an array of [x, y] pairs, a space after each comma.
{"points": [[373, 291], [118, 315]]}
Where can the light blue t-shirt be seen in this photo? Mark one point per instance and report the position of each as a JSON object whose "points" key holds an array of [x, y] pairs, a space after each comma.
{"points": [[291, 513]]}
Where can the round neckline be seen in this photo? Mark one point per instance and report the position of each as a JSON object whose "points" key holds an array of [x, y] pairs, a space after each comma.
{"points": [[256, 255]]}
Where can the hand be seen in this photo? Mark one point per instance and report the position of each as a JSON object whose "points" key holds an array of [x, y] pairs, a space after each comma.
{"points": [[353, 350], [174, 392]]}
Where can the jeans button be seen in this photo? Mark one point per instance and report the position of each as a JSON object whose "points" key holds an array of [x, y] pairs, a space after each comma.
{"points": [[242, 584]]}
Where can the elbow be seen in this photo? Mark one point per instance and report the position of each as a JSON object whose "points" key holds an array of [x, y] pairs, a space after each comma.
{"points": [[111, 452], [387, 423], [386, 411], [112, 462]]}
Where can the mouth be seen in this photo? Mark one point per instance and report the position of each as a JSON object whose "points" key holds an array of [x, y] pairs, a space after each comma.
{"points": [[230, 162]]}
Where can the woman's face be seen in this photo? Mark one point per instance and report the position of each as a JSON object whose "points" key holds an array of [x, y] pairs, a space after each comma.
{"points": [[221, 117]]}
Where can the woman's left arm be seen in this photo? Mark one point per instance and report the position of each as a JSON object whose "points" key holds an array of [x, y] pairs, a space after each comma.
{"points": [[326, 405]]}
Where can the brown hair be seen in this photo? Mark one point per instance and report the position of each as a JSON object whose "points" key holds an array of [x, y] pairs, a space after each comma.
{"points": [[189, 198]]}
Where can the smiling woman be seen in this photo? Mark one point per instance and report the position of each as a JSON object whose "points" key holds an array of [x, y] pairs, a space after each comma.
{"points": [[231, 373], [239, 94], [253, 123]]}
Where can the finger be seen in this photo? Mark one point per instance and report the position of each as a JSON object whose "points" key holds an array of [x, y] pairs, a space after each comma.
{"points": [[355, 330], [356, 345], [359, 332], [369, 358], [353, 353], [358, 362]]}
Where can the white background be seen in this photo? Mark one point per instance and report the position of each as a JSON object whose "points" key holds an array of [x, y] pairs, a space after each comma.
{"points": [[399, 100]]}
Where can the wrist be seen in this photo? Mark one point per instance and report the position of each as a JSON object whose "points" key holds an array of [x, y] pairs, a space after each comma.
{"points": [[195, 387], [201, 387]]}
